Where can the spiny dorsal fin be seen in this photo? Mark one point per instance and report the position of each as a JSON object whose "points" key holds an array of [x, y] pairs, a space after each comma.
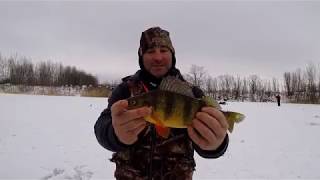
{"points": [[173, 84]]}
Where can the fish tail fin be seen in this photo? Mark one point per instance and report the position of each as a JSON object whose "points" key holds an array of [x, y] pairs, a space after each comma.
{"points": [[162, 131], [233, 117]]}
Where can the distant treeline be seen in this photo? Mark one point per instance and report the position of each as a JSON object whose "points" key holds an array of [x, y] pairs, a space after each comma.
{"points": [[21, 71], [228, 87], [303, 86], [300, 86]]}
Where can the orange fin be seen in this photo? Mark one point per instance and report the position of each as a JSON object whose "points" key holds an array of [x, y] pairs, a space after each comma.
{"points": [[162, 131]]}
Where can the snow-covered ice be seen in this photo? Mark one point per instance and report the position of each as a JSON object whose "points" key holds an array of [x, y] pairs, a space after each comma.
{"points": [[52, 137]]}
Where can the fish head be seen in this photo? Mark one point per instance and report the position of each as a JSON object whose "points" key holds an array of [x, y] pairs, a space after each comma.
{"points": [[138, 101]]}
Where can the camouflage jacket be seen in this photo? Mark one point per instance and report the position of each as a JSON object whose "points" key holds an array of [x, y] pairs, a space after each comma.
{"points": [[151, 157]]}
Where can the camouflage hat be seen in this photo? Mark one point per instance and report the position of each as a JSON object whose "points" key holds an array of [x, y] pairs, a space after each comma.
{"points": [[154, 37]]}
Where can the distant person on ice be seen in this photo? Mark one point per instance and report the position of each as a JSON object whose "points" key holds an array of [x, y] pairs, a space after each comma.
{"points": [[139, 152], [278, 99]]}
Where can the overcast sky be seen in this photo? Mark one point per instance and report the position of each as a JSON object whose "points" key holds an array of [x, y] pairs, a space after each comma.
{"points": [[102, 38]]}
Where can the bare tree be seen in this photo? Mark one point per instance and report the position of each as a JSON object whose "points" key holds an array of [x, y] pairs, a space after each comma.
{"points": [[4, 72], [211, 87], [275, 85], [197, 75], [253, 87], [311, 83], [287, 83], [236, 87], [225, 83], [44, 73], [300, 89], [244, 89]]}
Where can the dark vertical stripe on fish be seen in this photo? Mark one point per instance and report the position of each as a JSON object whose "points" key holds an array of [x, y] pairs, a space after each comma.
{"points": [[154, 100], [170, 100], [187, 109]]}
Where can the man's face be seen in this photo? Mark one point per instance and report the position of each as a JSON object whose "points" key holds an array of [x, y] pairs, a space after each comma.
{"points": [[157, 61]]}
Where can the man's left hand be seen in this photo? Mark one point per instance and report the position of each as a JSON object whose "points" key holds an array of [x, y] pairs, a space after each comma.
{"points": [[208, 128]]}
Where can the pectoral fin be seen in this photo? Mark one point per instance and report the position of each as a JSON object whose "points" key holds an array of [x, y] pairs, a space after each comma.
{"points": [[160, 128], [163, 131]]}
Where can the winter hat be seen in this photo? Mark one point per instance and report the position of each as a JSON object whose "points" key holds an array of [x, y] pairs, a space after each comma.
{"points": [[155, 37]]}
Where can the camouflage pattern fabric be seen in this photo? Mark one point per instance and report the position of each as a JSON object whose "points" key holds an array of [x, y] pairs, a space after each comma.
{"points": [[155, 37], [153, 157], [169, 159]]}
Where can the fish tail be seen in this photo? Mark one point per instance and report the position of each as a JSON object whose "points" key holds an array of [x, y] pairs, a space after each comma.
{"points": [[231, 125], [233, 117]]}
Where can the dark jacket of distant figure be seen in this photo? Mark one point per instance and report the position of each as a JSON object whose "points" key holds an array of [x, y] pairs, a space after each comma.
{"points": [[151, 157], [278, 99]]}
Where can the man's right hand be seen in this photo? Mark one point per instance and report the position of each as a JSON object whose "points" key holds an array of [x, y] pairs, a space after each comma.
{"points": [[128, 124]]}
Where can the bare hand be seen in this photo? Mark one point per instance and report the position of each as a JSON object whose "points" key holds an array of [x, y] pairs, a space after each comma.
{"points": [[208, 128], [128, 124]]}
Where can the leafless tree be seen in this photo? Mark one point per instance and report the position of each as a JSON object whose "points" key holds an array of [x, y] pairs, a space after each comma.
{"points": [[311, 83], [275, 85], [288, 83], [4, 72], [244, 89], [225, 83], [236, 87], [212, 87], [253, 87], [197, 75]]}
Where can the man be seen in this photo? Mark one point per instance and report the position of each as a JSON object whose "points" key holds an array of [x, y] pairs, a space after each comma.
{"points": [[278, 99], [140, 153]]}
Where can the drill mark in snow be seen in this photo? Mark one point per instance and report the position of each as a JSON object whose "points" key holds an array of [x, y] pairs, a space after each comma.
{"points": [[54, 173], [314, 124], [78, 173]]}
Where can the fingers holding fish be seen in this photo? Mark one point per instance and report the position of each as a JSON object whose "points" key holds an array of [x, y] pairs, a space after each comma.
{"points": [[210, 131], [134, 124], [207, 120], [214, 120], [218, 116], [137, 127], [195, 137], [128, 123], [136, 113], [119, 111], [119, 107], [128, 132], [199, 135]]}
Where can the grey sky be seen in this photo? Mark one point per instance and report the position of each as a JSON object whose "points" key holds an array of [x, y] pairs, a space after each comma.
{"points": [[237, 38]]}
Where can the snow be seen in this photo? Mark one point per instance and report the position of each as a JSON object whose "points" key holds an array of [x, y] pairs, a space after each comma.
{"points": [[52, 137]]}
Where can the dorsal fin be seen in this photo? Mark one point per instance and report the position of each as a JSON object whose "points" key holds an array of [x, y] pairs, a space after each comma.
{"points": [[173, 84], [211, 102]]}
